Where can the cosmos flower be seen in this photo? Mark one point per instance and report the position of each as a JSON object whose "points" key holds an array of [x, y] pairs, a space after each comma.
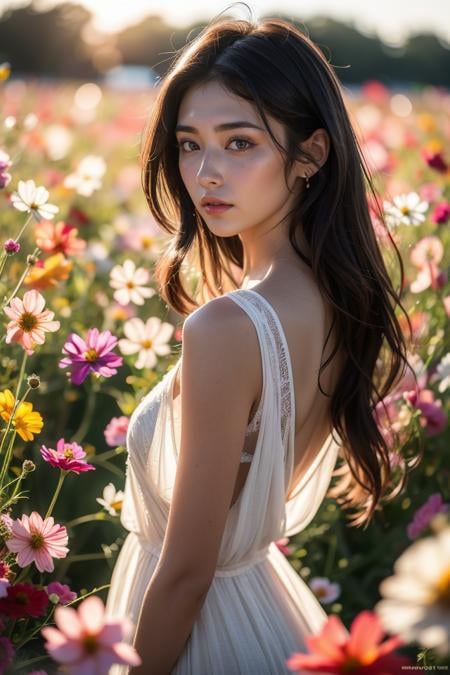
{"points": [[86, 642], [67, 457], [130, 283], [112, 499], [324, 590], [49, 273], [60, 593], [24, 600], [93, 355], [415, 599], [423, 516], [335, 650], [29, 321], [407, 209], [58, 237], [87, 177], [32, 199], [116, 431], [149, 340], [37, 540]]}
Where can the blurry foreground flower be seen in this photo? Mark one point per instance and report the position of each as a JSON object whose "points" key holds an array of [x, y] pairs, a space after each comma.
{"points": [[37, 540], [32, 199], [26, 421], [150, 339], [130, 283], [407, 209], [116, 431], [93, 355], [58, 237], [112, 499], [86, 642], [67, 457], [335, 650], [86, 179], [29, 321], [416, 599]]}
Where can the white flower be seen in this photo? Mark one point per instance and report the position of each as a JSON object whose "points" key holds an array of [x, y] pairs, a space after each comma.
{"points": [[87, 176], [33, 200], [149, 339], [112, 499], [407, 209], [130, 283], [416, 600], [324, 590], [443, 373]]}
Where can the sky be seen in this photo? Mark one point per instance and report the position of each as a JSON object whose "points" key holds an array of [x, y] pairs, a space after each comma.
{"points": [[391, 20]]}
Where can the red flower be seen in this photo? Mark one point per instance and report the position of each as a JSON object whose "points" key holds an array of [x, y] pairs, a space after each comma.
{"points": [[24, 600], [360, 652]]}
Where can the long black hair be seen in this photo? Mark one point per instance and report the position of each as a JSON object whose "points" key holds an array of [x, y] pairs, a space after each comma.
{"points": [[284, 74]]}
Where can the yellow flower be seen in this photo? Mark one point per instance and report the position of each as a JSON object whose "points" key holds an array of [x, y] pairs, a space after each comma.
{"points": [[26, 421], [5, 71], [426, 122], [56, 268]]}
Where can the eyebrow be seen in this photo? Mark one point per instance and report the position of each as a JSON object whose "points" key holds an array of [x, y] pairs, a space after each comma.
{"points": [[221, 127]]}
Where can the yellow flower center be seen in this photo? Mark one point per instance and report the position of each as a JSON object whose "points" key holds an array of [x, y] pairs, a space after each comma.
{"points": [[131, 284], [405, 210], [28, 321], [146, 241], [117, 505], [68, 452], [21, 598], [321, 592], [90, 644], [36, 541], [90, 355], [147, 344], [442, 588]]}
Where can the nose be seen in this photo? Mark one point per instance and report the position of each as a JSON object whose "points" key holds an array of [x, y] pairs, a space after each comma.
{"points": [[208, 173]]}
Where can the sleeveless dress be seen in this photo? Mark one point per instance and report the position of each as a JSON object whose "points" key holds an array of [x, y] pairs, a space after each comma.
{"points": [[258, 610]]}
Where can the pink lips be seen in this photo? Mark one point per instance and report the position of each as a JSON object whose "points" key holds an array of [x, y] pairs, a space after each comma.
{"points": [[215, 209]]}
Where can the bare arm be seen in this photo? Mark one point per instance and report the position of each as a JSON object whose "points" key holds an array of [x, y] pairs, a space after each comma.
{"points": [[217, 391]]}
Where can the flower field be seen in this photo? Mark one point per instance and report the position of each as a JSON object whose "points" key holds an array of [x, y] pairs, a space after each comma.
{"points": [[85, 335]]}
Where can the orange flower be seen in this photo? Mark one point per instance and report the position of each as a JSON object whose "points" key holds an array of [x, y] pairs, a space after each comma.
{"points": [[335, 650], [49, 272], [26, 421], [58, 238]]}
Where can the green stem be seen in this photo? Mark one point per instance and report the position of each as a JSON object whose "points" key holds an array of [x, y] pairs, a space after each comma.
{"points": [[62, 476], [19, 283], [16, 399], [8, 456], [99, 515], [87, 417], [23, 227]]}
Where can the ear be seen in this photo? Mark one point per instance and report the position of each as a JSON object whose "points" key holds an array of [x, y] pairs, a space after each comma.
{"points": [[318, 146]]}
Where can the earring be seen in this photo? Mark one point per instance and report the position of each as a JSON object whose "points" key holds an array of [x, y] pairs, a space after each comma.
{"points": [[307, 180]]}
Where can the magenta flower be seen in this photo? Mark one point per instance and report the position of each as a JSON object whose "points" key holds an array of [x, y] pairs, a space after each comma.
{"points": [[433, 417], [11, 246], [116, 431], [62, 593], [67, 457], [86, 642], [441, 213], [93, 355], [422, 517], [37, 540], [4, 578]]}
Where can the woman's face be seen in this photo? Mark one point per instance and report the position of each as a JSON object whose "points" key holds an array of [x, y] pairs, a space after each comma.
{"points": [[239, 164]]}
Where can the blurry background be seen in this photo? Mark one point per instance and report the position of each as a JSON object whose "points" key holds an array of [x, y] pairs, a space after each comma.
{"points": [[401, 42]]}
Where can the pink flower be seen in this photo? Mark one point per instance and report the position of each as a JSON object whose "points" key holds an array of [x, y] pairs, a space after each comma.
{"points": [[86, 642], [426, 256], [335, 650], [29, 322], [116, 431], [61, 591], [91, 355], [67, 457], [282, 544], [6, 653], [4, 578], [433, 418], [441, 213], [36, 540], [422, 517]]}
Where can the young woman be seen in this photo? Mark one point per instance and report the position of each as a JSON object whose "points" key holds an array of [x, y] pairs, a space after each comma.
{"points": [[250, 162]]}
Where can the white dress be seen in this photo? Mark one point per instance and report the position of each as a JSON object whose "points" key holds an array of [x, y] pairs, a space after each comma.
{"points": [[258, 610]]}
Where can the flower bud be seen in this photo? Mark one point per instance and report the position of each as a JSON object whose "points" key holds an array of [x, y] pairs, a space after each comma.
{"points": [[34, 381], [28, 466], [11, 246], [31, 260]]}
